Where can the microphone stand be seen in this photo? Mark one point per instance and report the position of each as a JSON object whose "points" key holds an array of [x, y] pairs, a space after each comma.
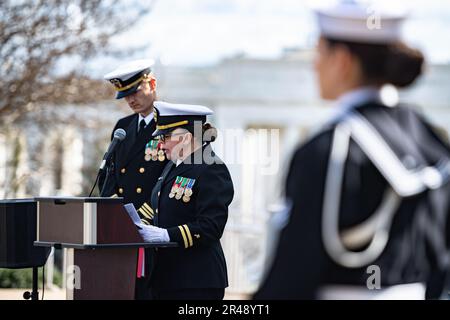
{"points": [[104, 182], [119, 136], [95, 183], [108, 170]]}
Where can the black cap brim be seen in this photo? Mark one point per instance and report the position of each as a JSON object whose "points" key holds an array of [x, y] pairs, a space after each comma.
{"points": [[122, 94], [160, 132]]}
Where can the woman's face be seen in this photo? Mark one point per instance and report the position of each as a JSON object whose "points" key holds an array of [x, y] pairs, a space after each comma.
{"points": [[333, 69], [175, 143]]}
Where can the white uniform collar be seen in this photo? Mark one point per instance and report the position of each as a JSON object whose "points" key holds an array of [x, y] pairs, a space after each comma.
{"points": [[147, 119], [354, 98]]}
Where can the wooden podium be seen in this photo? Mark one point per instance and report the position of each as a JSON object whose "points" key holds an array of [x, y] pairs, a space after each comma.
{"points": [[100, 243]]}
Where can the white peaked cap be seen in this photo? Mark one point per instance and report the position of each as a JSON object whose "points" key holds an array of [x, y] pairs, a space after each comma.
{"points": [[172, 109], [129, 69], [364, 22]]}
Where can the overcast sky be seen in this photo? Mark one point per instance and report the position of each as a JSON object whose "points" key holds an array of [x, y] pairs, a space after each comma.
{"points": [[198, 32]]}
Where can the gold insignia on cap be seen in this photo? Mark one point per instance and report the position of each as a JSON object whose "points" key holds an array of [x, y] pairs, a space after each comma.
{"points": [[119, 87], [116, 83], [171, 125]]}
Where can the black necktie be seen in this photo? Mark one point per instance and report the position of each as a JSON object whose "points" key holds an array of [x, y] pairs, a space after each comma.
{"points": [[141, 126]]}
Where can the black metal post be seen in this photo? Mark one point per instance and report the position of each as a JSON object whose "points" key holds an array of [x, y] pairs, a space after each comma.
{"points": [[34, 295]]}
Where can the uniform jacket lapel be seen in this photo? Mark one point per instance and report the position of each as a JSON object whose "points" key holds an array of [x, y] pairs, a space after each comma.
{"points": [[127, 144]]}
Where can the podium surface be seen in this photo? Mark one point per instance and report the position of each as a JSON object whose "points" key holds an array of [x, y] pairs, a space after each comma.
{"points": [[101, 244]]}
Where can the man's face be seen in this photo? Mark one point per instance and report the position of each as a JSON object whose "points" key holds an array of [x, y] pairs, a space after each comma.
{"points": [[142, 100]]}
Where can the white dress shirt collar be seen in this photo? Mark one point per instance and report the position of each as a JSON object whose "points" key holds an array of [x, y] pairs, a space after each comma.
{"points": [[147, 119]]}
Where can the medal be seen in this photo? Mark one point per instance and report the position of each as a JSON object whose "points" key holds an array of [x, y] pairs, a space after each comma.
{"points": [[186, 198], [171, 195], [180, 191], [188, 192], [161, 156], [151, 153], [183, 185], [176, 185], [154, 151]]}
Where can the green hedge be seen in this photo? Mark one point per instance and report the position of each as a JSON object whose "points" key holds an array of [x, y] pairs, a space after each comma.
{"points": [[22, 278]]}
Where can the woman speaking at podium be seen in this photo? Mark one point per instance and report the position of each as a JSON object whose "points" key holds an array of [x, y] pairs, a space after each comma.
{"points": [[190, 205]]}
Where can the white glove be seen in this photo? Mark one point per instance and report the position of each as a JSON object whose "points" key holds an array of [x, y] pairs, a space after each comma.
{"points": [[153, 234]]}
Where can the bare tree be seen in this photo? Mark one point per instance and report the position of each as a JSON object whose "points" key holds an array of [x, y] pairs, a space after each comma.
{"points": [[36, 34]]}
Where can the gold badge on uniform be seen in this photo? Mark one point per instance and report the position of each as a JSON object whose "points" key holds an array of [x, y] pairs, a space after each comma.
{"points": [[153, 151], [182, 189]]}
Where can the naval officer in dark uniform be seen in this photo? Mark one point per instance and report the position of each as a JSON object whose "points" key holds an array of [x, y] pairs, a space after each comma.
{"points": [[190, 201], [138, 161], [368, 196]]}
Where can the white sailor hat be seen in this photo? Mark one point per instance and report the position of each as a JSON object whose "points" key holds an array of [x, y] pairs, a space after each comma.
{"points": [[169, 116], [363, 22], [127, 78]]}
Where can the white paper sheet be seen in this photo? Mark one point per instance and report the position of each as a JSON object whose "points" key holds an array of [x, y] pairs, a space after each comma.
{"points": [[129, 207]]}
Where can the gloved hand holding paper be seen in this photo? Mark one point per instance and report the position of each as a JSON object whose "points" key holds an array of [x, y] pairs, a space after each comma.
{"points": [[153, 234], [147, 232]]}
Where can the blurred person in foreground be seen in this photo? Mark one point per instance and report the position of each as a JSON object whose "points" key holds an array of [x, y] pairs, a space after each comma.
{"points": [[368, 195]]}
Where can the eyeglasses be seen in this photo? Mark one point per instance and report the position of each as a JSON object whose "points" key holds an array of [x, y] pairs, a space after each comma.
{"points": [[163, 137]]}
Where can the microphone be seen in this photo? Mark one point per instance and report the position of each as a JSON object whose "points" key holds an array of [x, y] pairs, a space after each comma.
{"points": [[119, 135]]}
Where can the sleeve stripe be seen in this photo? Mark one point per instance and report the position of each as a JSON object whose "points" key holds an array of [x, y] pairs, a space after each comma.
{"points": [[147, 210], [188, 235], [146, 206], [184, 236], [144, 213], [145, 222]]}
